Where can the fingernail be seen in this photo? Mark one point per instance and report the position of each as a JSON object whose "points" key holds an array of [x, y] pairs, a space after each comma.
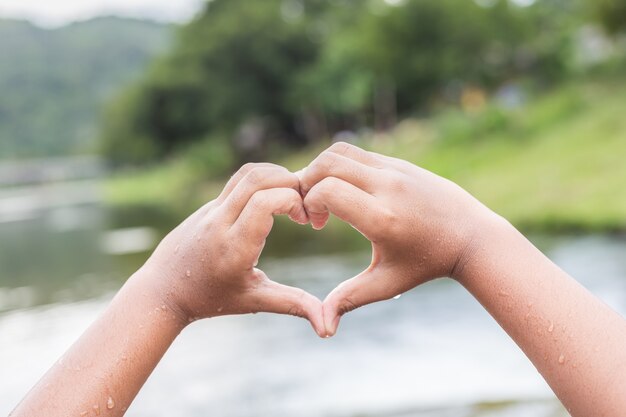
{"points": [[316, 222]]}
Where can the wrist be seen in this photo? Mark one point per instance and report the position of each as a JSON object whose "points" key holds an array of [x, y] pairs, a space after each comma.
{"points": [[485, 230], [159, 295]]}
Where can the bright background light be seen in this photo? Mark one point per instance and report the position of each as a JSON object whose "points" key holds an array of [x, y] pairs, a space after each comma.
{"points": [[60, 12]]}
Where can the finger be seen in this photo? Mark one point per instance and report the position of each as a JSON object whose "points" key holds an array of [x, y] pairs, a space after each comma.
{"points": [[372, 159], [259, 178], [344, 200], [360, 155], [368, 287], [330, 164], [400, 165], [257, 218], [240, 174], [272, 297]]}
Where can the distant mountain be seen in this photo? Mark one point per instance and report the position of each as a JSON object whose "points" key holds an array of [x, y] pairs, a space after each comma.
{"points": [[53, 82]]}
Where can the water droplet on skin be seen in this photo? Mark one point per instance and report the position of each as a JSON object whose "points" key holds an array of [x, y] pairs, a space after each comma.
{"points": [[397, 296], [503, 293], [219, 309], [188, 273], [176, 248], [96, 409], [561, 359], [202, 260], [163, 307], [110, 403], [551, 327]]}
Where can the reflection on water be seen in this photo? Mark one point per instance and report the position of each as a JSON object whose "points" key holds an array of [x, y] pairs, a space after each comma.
{"points": [[433, 352]]}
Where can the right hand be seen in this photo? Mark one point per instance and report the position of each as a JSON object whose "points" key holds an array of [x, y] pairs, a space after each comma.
{"points": [[421, 226]]}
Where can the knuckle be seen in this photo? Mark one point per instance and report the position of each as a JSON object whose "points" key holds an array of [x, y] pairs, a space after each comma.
{"points": [[223, 250], [325, 163], [330, 184], [258, 201], [342, 148], [397, 183], [329, 161], [324, 188], [255, 176], [247, 167], [390, 225]]}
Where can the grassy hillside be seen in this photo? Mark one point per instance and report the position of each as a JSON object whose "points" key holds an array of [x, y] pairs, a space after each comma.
{"points": [[556, 163], [53, 81]]}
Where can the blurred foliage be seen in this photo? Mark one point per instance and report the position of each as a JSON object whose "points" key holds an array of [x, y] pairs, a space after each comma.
{"points": [[54, 81], [250, 79], [611, 13]]}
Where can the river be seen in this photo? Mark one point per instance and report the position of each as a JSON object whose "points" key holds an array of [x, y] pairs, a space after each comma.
{"points": [[432, 352]]}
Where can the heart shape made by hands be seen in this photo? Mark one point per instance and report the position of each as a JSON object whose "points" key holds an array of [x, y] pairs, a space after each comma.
{"points": [[421, 226]]}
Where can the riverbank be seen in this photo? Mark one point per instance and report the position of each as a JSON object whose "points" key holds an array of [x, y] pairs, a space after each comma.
{"points": [[552, 164]]}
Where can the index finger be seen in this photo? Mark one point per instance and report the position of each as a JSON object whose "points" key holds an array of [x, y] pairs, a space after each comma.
{"points": [[331, 164], [259, 178], [240, 174]]}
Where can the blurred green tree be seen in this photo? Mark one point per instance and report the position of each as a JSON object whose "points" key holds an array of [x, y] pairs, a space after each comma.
{"points": [[611, 13], [235, 62], [261, 75]]}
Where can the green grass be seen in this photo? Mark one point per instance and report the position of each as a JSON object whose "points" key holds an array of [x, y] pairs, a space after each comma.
{"points": [[557, 163], [564, 173]]}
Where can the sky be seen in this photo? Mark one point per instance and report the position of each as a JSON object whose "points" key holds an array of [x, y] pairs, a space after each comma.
{"points": [[56, 13], [59, 12]]}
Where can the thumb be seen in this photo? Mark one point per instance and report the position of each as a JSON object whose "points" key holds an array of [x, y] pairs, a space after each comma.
{"points": [[369, 286], [272, 297]]}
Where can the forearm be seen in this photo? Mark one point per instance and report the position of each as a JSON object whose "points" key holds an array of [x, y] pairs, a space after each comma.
{"points": [[575, 341], [103, 371]]}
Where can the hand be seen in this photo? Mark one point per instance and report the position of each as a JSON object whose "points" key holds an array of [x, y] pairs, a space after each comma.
{"points": [[207, 265], [421, 226]]}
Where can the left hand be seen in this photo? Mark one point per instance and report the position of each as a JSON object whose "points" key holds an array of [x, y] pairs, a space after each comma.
{"points": [[206, 266]]}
